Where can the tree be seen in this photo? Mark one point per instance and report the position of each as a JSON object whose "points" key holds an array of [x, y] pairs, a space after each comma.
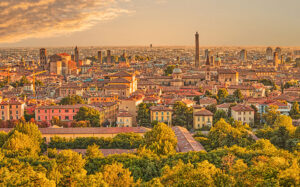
{"points": [[20, 144], [197, 100], [295, 111], [280, 137], [28, 117], [284, 121], [72, 100], [238, 95], [271, 115], [222, 93], [143, 114], [203, 174], [80, 124], [161, 140], [30, 129], [257, 117], [212, 108], [219, 115], [93, 151], [182, 115], [70, 164], [223, 134], [117, 176], [169, 70], [3, 137], [89, 114], [56, 121]]}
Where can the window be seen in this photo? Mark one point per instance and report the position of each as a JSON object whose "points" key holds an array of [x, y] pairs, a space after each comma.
{"points": [[156, 118], [10, 112], [2, 107], [59, 111], [66, 110], [17, 112], [2, 112], [162, 118], [52, 111], [45, 111], [167, 113], [156, 113], [198, 118], [3, 118], [39, 118], [162, 113], [39, 111], [203, 119], [45, 117], [17, 106], [67, 117]]}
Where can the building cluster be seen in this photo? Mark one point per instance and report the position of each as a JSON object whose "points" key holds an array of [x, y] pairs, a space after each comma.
{"points": [[116, 81]]}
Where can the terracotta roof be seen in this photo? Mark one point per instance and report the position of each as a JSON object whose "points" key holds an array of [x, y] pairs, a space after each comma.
{"points": [[160, 108], [185, 141], [203, 112], [207, 100], [224, 105], [121, 74], [119, 80], [120, 86], [125, 114], [226, 71], [242, 108]]}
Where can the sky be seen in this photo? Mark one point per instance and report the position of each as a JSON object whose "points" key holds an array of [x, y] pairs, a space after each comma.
{"points": [[48, 23]]}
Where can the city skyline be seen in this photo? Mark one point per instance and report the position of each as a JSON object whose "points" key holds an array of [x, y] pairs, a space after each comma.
{"points": [[141, 23]]}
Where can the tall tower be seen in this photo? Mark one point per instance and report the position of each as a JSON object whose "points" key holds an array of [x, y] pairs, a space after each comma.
{"points": [[269, 53], [43, 58], [108, 58], [243, 55], [278, 50], [100, 57], [212, 61], [275, 60], [197, 56], [77, 56]]}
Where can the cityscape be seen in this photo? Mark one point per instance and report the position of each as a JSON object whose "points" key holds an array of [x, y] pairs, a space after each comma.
{"points": [[142, 115]]}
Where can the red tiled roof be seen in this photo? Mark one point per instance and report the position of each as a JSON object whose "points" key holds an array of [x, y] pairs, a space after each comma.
{"points": [[203, 112], [160, 108], [242, 108], [185, 141]]}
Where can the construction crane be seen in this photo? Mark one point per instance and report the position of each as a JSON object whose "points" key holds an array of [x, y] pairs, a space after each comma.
{"points": [[33, 80]]}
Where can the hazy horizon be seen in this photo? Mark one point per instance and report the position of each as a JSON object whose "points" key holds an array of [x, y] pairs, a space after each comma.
{"points": [[231, 23]]}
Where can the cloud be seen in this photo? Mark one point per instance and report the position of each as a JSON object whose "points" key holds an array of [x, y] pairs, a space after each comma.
{"points": [[21, 19]]}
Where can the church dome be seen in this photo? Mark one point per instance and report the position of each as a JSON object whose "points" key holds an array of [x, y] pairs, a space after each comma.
{"points": [[177, 71]]}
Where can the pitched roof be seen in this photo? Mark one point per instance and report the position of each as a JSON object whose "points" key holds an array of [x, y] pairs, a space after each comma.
{"points": [[119, 80], [242, 108], [160, 108], [203, 112], [185, 141], [121, 74]]}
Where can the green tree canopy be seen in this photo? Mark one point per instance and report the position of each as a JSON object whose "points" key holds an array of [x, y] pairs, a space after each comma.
{"points": [[72, 100], [89, 114], [161, 140]]}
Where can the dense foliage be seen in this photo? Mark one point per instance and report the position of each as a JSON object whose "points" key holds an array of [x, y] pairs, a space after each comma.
{"points": [[121, 141], [232, 160]]}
